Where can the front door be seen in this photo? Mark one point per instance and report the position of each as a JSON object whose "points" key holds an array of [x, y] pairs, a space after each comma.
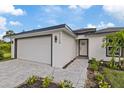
{"points": [[83, 47]]}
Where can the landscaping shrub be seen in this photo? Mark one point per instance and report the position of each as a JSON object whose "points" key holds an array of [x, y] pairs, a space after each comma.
{"points": [[99, 77], [65, 84], [113, 66], [93, 67], [6, 47], [31, 80], [104, 84], [46, 81], [93, 60], [1, 55], [5, 50], [94, 64], [116, 67]]}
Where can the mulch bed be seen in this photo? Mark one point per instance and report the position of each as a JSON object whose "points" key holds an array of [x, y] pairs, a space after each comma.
{"points": [[37, 84], [90, 82]]}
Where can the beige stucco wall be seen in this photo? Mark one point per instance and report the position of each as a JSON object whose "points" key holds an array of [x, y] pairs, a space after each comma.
{"points": [[96, 50], [12, 48], [95, 47], [64, 50]]}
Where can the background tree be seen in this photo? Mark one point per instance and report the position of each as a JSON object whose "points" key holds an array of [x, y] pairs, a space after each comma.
{"points": [[8, 34]]}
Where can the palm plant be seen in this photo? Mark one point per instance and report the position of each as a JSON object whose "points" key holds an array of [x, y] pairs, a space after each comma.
{"points": [[117, 42], [120, 38], [111, 40]]}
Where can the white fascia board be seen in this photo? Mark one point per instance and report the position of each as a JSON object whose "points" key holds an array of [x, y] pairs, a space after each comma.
{"points": [[36, 33], [69, 31]]}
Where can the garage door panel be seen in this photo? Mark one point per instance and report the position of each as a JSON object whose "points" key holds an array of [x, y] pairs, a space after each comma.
{"points": [[35, 49]]}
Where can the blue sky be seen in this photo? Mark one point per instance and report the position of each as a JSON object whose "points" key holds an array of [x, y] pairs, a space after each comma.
{"points": [[19, 18]]}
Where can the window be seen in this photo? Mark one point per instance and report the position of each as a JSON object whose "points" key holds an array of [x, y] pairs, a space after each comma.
{"points": [[119, 51], [122, 52], [109, 51]]}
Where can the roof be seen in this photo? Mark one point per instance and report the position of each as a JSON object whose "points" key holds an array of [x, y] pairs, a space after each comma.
{"points": [[108, 30], [84, 31], [44, 29]]}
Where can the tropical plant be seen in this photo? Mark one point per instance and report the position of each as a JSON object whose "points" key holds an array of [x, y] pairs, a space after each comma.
{"points": [[111, 40], [93, 67], [104, 84], [65, 84], [94, 64], [117, 43], [120, 38], [1, 55], [99, 77], [46, 81], [31, 80]]}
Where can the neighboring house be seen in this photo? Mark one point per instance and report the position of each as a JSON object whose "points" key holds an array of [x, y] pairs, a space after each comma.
{"points": [[58, 45]]}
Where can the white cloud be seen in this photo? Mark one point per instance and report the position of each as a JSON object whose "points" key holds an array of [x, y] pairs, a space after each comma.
{"points": [[3, 28], [85, 6], [101, 25], [72, 6], [39, 26], [116, 11], [110, 25], [80, 6], [10, 9], [53, 8], [15, 23], [91, 26], [2, 34], [3, 23]]}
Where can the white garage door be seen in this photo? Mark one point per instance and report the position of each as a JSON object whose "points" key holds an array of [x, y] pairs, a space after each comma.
{"points": [[35, 49]]}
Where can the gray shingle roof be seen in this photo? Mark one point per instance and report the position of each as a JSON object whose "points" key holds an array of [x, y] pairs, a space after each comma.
{"points": [[84, 31], [109, 30], [44, 29], [87, 31]]}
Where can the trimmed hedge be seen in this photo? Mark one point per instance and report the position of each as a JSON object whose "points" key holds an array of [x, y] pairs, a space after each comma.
{"points": [[1, 55]]}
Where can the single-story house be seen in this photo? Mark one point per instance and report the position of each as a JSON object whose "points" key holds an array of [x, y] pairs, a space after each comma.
{"points": [[58, 45]]}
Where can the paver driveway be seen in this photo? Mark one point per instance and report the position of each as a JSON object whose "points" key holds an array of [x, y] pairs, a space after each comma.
{"points": [[15, 72]]}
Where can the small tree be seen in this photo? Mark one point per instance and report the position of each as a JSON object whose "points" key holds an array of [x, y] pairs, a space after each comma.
{"points": [[111, 40], [8, 34], [117, 42], [120, 36]]}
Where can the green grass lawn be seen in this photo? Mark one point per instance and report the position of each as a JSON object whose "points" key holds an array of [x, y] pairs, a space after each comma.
{"points": [[115, 77]]}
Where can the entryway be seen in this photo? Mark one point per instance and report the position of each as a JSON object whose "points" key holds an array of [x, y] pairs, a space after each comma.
{"points": [[83, 47]]}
